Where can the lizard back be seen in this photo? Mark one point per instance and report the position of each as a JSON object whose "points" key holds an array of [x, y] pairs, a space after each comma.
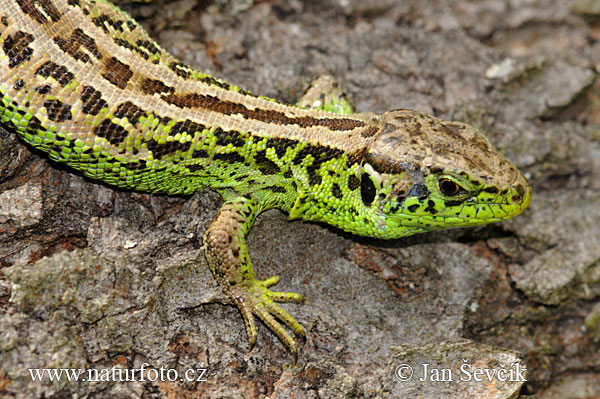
{"points": [[83, 82]]}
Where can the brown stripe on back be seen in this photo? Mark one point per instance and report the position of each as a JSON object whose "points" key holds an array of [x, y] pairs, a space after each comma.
{"points": [[60, 73], [117, 72], [29, 8], [72, 45], [195, 100], [16, 48]]}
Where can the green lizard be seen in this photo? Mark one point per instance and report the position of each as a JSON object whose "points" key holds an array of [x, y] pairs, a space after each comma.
{"points": [[82, 81]]}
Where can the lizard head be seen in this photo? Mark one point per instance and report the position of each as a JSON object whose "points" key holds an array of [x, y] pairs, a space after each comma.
{"points": [[422, 174]]}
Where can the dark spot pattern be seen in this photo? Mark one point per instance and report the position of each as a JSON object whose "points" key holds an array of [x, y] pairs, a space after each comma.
{"points": [[135, 165], [19, 84], [169, 147], [116, 72], [58, 111], [155, 86], [229, 157], [367, 189], [44, 89], [124, 43], [58, 72], [92, 101], [400, 197], [431, 207], [104, 22], [281, 145], [314, 179], [336, 191], [130, 111], [149, 46], [35, 124], [16, 48], [353, 183], [115, 134], [188, 127], [225, 138], [195, 167], [412, 208], [303, 154], [73, 44], [265, 165], [319, 155], [179, 69], [29, 8]]}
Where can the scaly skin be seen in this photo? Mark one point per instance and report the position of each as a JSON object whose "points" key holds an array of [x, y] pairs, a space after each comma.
{"points": [[83, 82]]}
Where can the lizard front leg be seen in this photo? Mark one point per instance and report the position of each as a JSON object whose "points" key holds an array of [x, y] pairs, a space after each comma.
{"points": [[229, 261]]}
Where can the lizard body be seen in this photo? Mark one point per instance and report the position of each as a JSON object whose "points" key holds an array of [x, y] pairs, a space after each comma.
{"points": [[82, 81]]}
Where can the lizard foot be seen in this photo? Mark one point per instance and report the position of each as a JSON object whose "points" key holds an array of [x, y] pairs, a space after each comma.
{"points": [[254, 298]]}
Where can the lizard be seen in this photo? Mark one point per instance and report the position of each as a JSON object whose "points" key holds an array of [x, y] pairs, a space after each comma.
{"points": [[83, 82]]}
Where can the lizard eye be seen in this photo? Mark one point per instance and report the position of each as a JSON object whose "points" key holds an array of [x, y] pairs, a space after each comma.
{"points": [[367, 189], [450, 188]]}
